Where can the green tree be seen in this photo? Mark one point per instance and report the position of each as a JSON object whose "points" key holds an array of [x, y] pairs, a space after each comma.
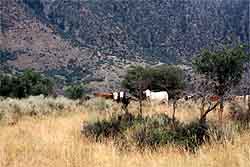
{"points": [[6, 85], [223, 67], [137, 78], [165, 77], [33, 83], [168, 78], [75, 91], [25, 84]]}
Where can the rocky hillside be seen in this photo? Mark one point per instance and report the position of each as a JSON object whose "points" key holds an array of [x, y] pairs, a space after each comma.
{"points": [[95, 40], [166, 30], [29, 41]]}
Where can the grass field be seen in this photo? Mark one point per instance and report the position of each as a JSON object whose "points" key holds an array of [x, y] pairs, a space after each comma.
{"points": [[52, 138]]}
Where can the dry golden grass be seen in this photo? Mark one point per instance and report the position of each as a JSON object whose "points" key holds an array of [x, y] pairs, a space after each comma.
{"points": [[55, 140]]}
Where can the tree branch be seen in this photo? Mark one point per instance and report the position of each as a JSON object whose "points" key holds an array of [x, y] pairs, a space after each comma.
{"points": [[209, 110]]}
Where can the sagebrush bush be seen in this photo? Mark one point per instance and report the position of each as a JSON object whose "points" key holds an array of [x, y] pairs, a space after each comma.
{"points": [[154, 131], [99, 104], [108, 128], [25, 84], [35, 106], [189, 136], [239, 116]]}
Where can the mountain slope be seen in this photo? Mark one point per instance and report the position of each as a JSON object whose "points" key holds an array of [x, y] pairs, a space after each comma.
{"points": [[27, 41], [170, 31], [94, 41]]}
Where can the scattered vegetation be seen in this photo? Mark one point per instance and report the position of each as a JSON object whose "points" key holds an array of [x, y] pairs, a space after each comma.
{"points": [[122, 136], [75, 91], [223, 69], [25, 84], [148, 132], [6, 55], [12, 110], [165, 77], [36, 5]]}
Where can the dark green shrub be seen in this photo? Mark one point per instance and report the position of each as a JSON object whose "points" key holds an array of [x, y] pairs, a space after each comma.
{"points": [[108, 128], [5, 55], [165, 77], [75, 91], [187, 136], [25, 84], [191, 135], [148, 131], [6, 85], [240, 116], [36, 5]]}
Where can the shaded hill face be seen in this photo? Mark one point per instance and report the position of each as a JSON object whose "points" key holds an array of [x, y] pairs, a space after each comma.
{"points": [[95, 40], [27, 40], [166, 30]]}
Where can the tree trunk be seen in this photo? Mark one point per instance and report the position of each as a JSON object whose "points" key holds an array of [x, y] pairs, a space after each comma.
{"points": [[248, 103], [140, 107], [140, 100], [245, 101], [202, 107], [173, 115], [221, 109]]}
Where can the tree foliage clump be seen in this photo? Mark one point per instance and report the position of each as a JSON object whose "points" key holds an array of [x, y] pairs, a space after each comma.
{"points": [[36, 5], [222, 69], [225, 67], [25, 84], [150, 131], [75, 91], [160, 78]]}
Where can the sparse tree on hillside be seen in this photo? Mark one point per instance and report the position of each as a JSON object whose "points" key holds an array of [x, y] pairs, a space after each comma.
{"points": [[170, 78], [166, 77], [6, 85], [33, 83], [25, 84], [136, 80], [75, 91], [245, 87], [203, 88], [224, 68]]}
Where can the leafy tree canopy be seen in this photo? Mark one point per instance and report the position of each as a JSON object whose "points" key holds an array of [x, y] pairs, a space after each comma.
{"points": [[25, 84], [165, 77], [75, 91], [225, 67]]}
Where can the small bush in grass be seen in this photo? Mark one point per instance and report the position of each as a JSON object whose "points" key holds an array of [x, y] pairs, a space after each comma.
{"points": [[148, 131], [108, 128], [102, 105], [188, 136], [239, 116]]}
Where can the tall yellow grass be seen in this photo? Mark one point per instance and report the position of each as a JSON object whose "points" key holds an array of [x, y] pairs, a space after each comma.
{"points": [[55, 141]]}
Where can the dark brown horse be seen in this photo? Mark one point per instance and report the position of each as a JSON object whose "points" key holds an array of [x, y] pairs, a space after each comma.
{"points": [[104, 95], [214, 98]]}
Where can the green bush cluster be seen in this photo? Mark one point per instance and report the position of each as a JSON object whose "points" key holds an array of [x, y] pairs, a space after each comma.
{"points": [[154, 131], [75, 91], [5, 55], [239, 116], [25, 84], [164, 77]]}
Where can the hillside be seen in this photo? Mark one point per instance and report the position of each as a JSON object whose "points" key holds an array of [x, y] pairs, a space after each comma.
{"points": [[170, 31], [94, 41], [28, 41]]}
